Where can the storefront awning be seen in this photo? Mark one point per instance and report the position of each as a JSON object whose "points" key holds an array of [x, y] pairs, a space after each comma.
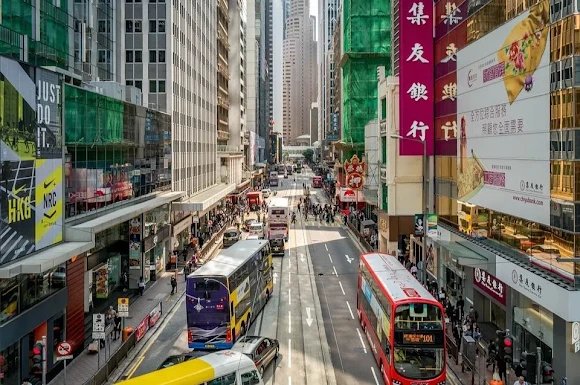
{"points": [[85, 231], [463, 255], [45, 259], [204, 200]]}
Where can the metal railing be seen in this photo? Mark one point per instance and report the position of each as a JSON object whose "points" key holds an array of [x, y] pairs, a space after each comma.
{"points": [[102, 375], [228, 148]]}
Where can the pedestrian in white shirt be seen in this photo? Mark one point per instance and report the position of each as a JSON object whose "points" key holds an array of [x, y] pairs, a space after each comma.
{"points": [[521, 381]]}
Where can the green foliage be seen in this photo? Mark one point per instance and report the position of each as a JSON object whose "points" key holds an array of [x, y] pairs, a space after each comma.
{"points": [[308, 155]]}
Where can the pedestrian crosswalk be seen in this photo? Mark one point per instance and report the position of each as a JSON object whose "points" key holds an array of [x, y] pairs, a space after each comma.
{"points": [[313, 221]]}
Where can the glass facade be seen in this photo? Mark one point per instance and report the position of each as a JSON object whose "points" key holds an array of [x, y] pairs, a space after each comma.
{"points": [[115, 151], [26, 290], [18, 24]]}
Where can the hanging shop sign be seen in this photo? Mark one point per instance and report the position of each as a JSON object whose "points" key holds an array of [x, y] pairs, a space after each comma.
{"points": [[354, 169], [490, 285]]}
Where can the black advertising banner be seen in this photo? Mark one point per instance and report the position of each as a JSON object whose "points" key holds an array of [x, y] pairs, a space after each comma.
{"points": [[31, 188]]}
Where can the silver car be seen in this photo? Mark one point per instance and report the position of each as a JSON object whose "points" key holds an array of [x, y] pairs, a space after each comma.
{"points": [[261, 350], [231, 236]]}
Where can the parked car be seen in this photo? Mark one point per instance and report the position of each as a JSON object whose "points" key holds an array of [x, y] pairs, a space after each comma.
{"points": [[261, 350], [248, 222], [277, 246], [266, 192], [179, 358], [231, 236]]}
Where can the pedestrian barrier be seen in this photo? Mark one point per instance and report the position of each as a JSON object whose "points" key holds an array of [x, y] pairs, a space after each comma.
{"points": [[116, 358]]}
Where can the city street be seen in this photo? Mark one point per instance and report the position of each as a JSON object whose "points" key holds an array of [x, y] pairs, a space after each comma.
{"points": [[312, 311]]}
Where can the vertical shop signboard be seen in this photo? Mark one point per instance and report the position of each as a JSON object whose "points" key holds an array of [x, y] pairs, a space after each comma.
{"points": [[31, 159], [416, 112], [135, 252]]}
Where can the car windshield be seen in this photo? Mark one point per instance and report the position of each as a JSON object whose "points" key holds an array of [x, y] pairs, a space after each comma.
{"points": [[419, 363], [231, 234]]}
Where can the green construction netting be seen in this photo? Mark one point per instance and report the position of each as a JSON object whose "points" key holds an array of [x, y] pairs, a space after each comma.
{"points": [[359, 97], [91, 118], [367, 26]]}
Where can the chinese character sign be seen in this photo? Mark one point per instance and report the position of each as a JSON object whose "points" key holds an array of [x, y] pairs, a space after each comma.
{"points": [[354, 170], [416, 78], [490, 285]]}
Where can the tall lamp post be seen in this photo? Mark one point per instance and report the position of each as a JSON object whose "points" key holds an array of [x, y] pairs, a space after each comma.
{"points": [[424, 202]]}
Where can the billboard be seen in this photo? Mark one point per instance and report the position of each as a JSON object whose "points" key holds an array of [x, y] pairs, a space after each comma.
{"points": [[416, 112], [503, 115], [31, 177]]}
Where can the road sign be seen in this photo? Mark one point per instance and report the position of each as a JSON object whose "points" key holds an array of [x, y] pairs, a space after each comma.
{"points": [[123, 307], [64, 351], [98, 326]]}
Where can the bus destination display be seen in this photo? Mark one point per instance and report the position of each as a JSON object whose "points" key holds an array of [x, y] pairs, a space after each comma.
{"points": [[418, 338]]}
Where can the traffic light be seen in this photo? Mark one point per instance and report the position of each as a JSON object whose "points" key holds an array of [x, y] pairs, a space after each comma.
{"points": [[37, 357], [508, 351]]}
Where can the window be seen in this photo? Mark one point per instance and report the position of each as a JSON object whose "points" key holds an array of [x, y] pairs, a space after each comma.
{"points": [[161, 56], [103, 56], [228, 379], [152, 56], [139, 84], [138, 26], [161, 87], [161, 26], [129, 56], [250, 378], [129, 82], [152, 25], [152, 85], [129, 26], [138, 56], [104, 26]]}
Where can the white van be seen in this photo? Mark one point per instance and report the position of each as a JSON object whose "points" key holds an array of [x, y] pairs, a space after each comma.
{"points": [[256, 228]]}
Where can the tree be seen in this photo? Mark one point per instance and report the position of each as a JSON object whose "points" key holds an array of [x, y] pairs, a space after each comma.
{"points": [[308, 155]]}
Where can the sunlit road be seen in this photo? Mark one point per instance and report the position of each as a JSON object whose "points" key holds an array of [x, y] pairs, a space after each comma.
{"points": [[312, 311]]}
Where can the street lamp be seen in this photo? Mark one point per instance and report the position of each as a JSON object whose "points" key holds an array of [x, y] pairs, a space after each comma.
{"points": [[424, 202]]}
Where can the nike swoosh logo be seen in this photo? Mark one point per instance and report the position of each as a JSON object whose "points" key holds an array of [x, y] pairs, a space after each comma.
{"points": [[51, 215], [47, 185], [18, 190]]}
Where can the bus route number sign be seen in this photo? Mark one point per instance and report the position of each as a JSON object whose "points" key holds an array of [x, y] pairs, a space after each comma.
{"points": [[418, 338]]}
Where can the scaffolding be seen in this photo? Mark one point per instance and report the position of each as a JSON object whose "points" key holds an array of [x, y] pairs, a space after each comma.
{"points": [[367, 42]]}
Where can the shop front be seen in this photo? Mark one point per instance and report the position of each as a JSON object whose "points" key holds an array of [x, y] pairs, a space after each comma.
{"points": [[156, 249], [348, 198], [181, 236], [489, 299], [543, 316]]}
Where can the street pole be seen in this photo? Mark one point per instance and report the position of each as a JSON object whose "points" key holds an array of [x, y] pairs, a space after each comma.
{"points": [[425, 202], [44, 360]]}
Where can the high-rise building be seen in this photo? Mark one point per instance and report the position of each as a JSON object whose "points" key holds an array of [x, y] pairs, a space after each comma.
{"points": [[276, 63], [223, 72], [327, 15], [299, 70]]}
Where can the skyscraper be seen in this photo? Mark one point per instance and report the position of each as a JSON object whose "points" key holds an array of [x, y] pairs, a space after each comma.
{"points": [[299, 70], [327, 15]]}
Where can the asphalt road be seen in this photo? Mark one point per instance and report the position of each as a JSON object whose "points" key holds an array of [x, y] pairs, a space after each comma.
{"points": [[312, 311]]}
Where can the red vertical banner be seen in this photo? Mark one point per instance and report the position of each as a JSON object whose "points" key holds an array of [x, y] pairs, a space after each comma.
{"points": [[416, 77]]}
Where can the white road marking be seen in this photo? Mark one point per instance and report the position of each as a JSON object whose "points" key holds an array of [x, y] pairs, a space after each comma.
{"points": [[335, 273], [289, 276], [330, 257], [349, 259], [361, 340], [289, 380], [289, 322], [350, 310], [374, 375], [341, 288], [326, 247], [289, 297], [290, 352]]}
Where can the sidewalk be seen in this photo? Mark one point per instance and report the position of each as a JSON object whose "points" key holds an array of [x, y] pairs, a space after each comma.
{"points": [[84, 366]]}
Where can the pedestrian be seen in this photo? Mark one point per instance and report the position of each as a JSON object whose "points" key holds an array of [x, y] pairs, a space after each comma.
{"points": [[186, 270], [460, 305], [125, 282], [173, 285], [521, 381], [473, 313], [117, 327], [141, 286]]}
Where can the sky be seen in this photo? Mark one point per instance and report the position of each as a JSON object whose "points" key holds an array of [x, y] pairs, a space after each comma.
{"points": [[314, 8]]}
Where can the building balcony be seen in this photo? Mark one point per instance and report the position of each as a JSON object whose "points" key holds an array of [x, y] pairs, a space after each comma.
{"points": [[223, 102], [223, 91], [223, 6], [222, 69], [223, 38], [223, 134]]}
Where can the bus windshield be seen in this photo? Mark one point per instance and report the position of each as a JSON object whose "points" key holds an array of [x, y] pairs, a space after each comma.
{"points": [[207, 302], [418, 316], [419, 363]]}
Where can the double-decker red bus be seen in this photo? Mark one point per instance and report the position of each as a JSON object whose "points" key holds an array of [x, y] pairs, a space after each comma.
{"points": [[403, 322]]}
